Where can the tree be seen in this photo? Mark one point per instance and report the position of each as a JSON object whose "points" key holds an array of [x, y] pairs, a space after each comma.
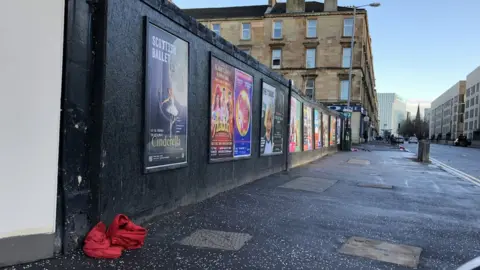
{"points": [[417, 127]]}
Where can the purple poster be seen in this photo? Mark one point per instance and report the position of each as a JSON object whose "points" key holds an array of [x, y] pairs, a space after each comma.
{"points": [[243, 114]]}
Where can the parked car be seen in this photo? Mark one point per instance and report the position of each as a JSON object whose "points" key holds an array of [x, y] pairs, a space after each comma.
{"points": [[413, 140], [399, 139], [462, 141]]}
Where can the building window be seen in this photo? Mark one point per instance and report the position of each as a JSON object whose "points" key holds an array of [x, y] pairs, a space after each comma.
{"points": [[277, 30], [310, 58], [476, 111], [468, 92], [311, 28], [216, 28], [478, 87], [467, 104], [455, 108], [276, 58], [346, 57], [466, 115], [476, 126], [471, 125], [310, 88], [344, 85], [348, 27], [246, 27]]}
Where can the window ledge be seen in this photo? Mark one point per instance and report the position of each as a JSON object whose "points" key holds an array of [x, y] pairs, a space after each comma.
{"points": [[311, 44], [277, 44]]}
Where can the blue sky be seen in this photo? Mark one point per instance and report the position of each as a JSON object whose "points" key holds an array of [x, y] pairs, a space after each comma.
{"points": [[420, 47]]}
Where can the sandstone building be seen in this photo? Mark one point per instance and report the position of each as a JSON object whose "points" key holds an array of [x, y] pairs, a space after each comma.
{"points": [[309, 43]]}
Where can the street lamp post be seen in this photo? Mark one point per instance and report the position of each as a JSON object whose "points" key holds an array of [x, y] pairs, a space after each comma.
{"points": [[348, 130]]}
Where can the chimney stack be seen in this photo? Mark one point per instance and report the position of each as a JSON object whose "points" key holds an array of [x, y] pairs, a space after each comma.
{"points": [[330, 5], [295, 6], [272, 3]]}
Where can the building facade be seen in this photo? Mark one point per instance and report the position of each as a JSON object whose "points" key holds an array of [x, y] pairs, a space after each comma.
{"points": [[446, 112], [472, 93], [309, 43], [392, 111]]}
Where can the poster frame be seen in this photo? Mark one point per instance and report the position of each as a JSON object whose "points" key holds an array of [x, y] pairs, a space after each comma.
{"points": [[146, 86], [262, 81], [233, 158]]}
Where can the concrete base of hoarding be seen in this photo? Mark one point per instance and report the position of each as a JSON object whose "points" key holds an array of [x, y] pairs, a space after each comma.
{"points": [[25, 248], [302, 158]]}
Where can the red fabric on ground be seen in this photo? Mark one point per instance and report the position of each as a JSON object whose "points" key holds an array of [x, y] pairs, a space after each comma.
{"points": [[123, 232], [97, 244]]}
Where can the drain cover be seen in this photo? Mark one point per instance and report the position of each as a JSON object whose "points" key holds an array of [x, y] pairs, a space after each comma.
{"points": [[310, 184], [382, 251], [216, 239], [359, 161], [375, 185]]}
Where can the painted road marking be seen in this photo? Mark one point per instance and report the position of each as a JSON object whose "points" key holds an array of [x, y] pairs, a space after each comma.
{"points": [[456, 172]]}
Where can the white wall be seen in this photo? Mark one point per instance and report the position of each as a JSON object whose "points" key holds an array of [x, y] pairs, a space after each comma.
{"points": [[31, 48]]}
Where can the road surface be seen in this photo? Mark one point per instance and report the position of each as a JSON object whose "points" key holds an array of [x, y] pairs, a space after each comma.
{"points": [[465, 159]]}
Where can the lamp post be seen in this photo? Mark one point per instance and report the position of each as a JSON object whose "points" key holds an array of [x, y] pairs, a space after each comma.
{"points": [[348, 130]]}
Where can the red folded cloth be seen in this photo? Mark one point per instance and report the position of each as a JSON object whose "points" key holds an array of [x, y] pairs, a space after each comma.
{"points": [[123, 232], [98, 245], [108, 244]]}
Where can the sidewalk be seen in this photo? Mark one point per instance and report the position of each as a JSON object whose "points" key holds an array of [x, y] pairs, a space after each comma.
{"points": [[291, 228]]}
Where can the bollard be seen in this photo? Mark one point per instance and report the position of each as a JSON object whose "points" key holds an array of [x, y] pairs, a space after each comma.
{"points": [[423, 154]]}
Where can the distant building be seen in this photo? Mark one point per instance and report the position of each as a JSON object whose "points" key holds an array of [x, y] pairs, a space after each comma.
{"points": [[447, 112], [392, 111], [472, 117], [308, 42], [427, 118]]}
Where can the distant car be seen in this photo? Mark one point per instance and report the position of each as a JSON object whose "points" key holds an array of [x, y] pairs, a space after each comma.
{"points": [[462, 141], [413, 140], [399, 139]]}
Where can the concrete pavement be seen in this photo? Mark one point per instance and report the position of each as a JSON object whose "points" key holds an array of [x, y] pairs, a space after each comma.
{"points": [[301, 220]]}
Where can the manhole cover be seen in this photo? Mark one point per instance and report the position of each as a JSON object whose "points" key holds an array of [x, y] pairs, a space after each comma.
{"points": [[382, 251], [310, 184], [216, 239], [375, 185], [359, 161]]}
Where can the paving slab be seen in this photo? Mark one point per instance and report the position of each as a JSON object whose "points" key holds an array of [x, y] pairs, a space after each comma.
{"points": [[382, 251], [216, 239], [310, 184], [375, 185]]}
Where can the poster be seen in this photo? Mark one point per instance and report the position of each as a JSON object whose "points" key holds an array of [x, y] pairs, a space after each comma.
{"points": [[307, 128], [317, 127], [325, 123], [166, 100], [295, 140], [278, 131], [221, 106], [271, 140], [243, 114], [333, 132], [339, 129]]}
